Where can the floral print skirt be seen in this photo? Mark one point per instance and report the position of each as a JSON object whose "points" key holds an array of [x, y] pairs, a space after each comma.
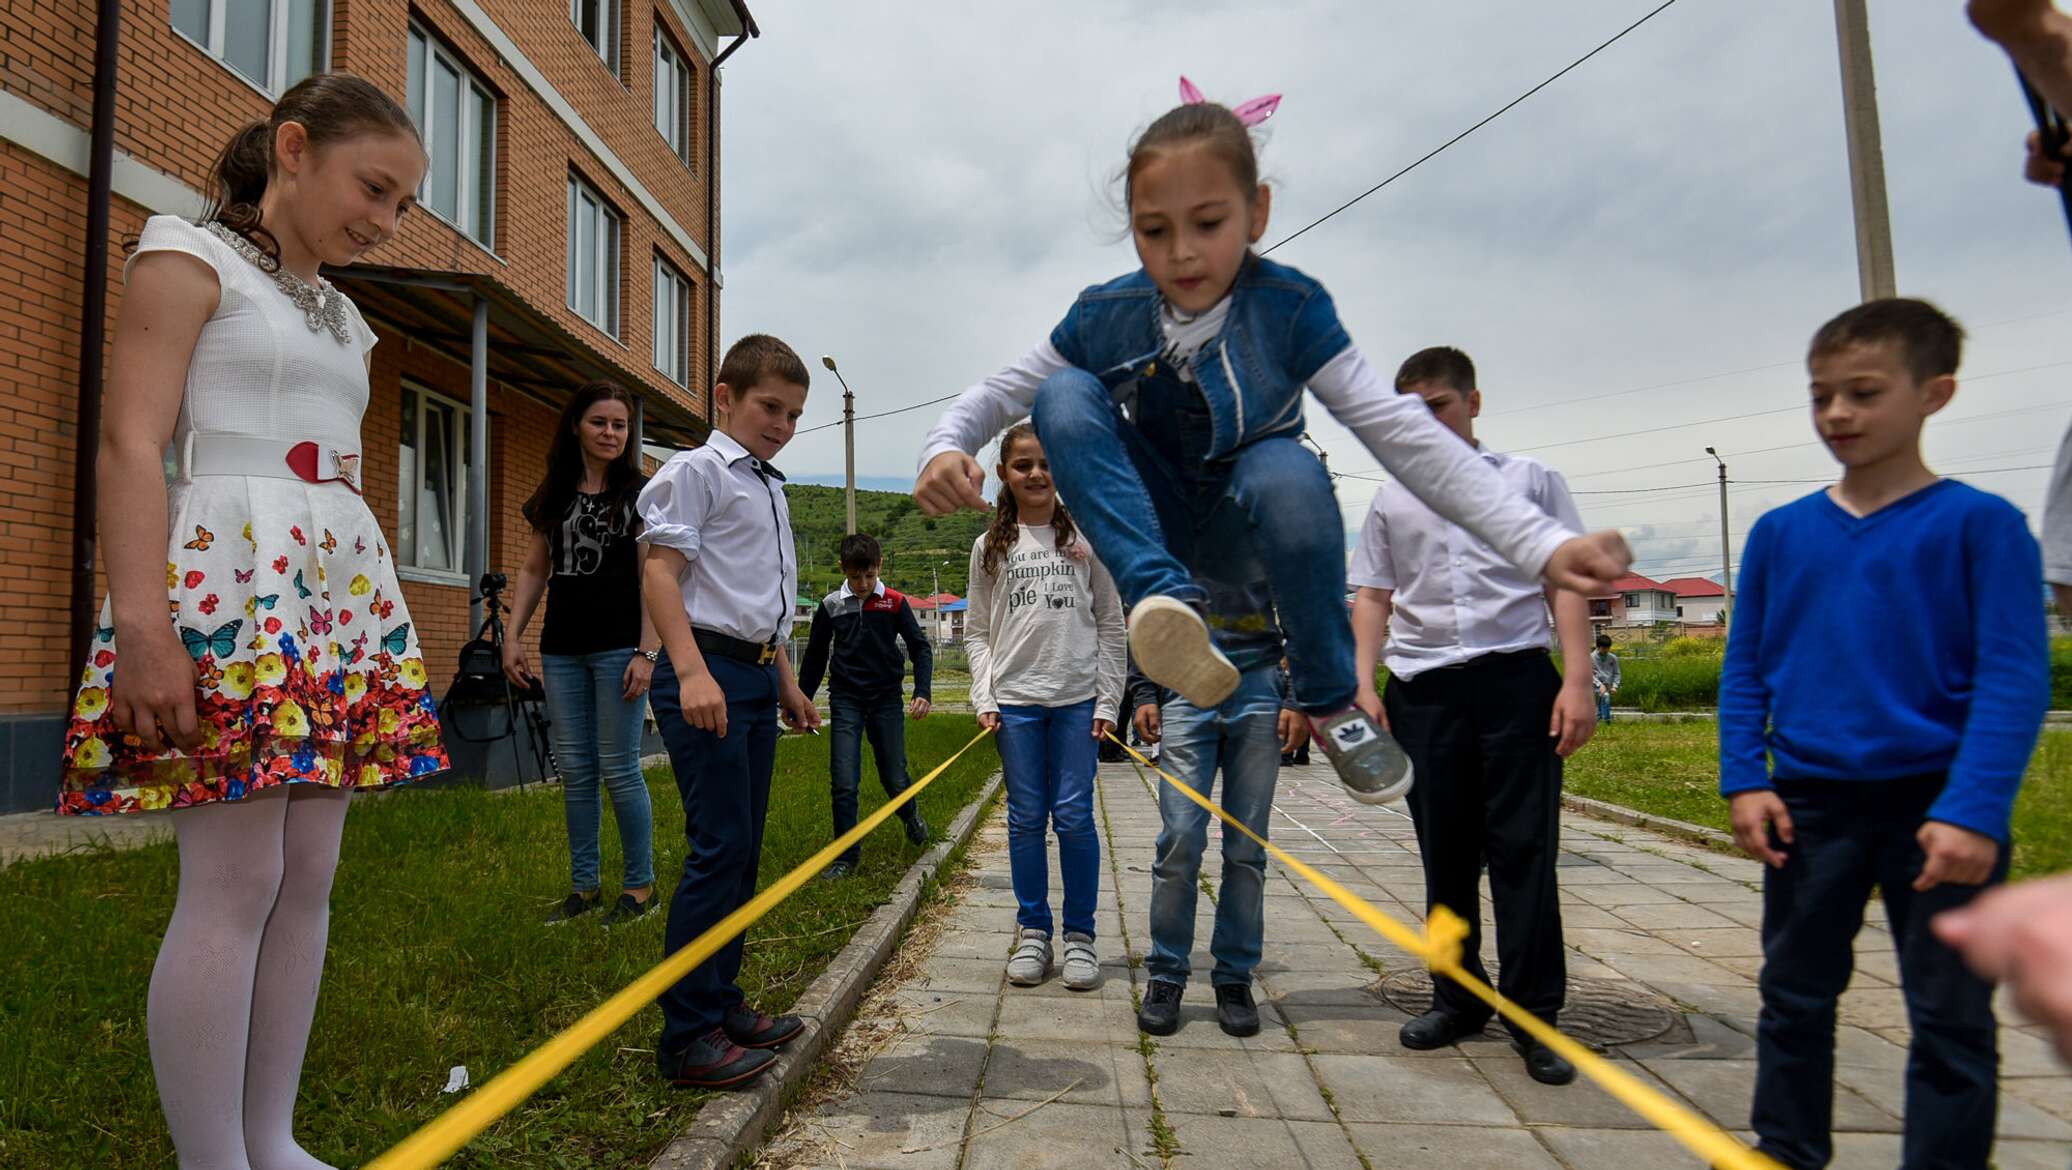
{"points": [[307, 668]]}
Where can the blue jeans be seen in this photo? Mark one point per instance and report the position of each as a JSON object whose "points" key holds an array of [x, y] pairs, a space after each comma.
{"points": [[883, 719], [1142, 507], [1604, 706], [1848, 836], [1240, 738], [1047, 756], [597, 736], [724, 783]]}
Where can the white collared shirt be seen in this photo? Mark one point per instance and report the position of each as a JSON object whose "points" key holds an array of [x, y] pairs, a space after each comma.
{"points": [[715, 506], [845, 593], [1455, 597]]}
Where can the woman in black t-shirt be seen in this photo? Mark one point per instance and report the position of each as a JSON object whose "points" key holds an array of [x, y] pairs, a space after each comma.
{"points": [[596, 645]]}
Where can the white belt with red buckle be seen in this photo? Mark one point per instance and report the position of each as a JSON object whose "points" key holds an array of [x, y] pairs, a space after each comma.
{"points": [[308, 460]]}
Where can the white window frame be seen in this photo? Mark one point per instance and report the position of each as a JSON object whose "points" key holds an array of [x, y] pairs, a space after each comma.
{"points": [[582, 199], [672, 297], [607, 27], [468, 186], [458, 459], [274, 83], [675, 77]]}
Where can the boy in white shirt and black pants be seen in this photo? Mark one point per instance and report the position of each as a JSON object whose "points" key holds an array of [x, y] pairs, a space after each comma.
{"points": [[719, 581], [1485, 717]]}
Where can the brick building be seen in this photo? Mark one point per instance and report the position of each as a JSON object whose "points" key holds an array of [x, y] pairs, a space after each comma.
{"points": [[568, 230]]}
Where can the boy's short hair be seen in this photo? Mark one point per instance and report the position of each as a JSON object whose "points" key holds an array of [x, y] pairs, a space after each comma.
{"points": [[1930, 343], [758, 356], [860, 551], [1604, 641], [1440, 363]]}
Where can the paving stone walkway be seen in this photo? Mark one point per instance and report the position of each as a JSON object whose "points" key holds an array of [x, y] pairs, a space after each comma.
{"points": [[977, 1074]]}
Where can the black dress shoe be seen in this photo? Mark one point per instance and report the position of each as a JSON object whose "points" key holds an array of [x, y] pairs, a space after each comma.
{"points": [[713, 1062], [1543, 1064], [916, 827], [752, 1029], [1235, 1011], [1436, 1029], [1160, 1015]]}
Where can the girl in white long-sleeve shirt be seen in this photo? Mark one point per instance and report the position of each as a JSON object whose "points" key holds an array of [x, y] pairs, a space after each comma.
{"points": [[1046, 638]]}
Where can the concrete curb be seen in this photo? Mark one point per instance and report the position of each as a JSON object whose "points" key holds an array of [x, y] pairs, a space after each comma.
{"points": [[1711, 838], [731, 1125]]}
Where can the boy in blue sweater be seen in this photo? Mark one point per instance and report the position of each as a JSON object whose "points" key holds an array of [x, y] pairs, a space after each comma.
{"points": [[1888, 655]]}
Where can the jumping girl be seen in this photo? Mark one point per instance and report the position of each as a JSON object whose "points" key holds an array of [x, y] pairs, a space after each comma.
{"points": [[255, 663], [1045, 637], [1168, 390]]}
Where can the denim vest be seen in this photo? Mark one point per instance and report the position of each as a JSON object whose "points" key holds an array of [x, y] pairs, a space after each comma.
{"points": [[1281, 328]]}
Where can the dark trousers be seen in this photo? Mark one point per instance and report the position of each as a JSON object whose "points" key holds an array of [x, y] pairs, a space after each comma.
{"points": [[1851, 835], [1489, 788], [883, 721], [724, 782]]}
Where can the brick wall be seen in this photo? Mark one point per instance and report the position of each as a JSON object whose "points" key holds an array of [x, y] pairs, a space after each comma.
{"points": [[176, 106]]}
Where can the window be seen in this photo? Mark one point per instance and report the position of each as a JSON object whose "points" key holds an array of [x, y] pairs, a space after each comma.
{"points": [[672, 322], [593, 257], [275, 43], [672, 95], [432, 483], [598, 21], [457, 117]]}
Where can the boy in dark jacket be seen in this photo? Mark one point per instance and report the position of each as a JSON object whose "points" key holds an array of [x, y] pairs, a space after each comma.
{"points": [[856, 631]]}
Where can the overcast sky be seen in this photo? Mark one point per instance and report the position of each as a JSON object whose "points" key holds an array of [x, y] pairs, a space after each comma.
{"points": [[920, 188]]}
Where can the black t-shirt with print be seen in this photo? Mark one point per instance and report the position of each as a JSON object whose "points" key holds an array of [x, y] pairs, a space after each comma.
{"points": [[593, 596]]}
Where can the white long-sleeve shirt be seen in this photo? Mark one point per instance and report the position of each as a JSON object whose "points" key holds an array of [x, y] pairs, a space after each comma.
{"points": [[1398, 429], [1045, 628]]}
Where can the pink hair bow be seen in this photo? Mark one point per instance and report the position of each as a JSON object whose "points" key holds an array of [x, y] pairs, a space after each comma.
{"points": [[1251, 113]]}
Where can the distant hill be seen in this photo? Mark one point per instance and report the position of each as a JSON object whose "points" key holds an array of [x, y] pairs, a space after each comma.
{"points": [[913, 542]]}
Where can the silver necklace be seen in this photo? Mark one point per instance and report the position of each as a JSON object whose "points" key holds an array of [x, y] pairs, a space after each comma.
{"points": [[323, 307]]}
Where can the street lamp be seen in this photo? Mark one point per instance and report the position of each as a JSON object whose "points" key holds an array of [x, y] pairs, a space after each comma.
{"points": [[848, 437], [1726, 560]]}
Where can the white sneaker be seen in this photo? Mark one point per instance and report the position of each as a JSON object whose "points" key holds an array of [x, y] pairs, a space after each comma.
{"points": [[1171, 644], [1082, 966], [1030, 963]]}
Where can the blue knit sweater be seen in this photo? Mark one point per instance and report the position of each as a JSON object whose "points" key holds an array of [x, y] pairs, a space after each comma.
{"points": [[1907, 642]]}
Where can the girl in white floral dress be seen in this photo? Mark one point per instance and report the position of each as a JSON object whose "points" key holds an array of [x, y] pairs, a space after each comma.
{"points": [[282, 671]]}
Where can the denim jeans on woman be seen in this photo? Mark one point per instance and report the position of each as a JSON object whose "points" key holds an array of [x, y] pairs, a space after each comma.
{"points": [[597, 738], [1047, 758], [1240, 739]]}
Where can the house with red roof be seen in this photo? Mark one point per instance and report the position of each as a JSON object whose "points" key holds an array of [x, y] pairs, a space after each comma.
{"points": [[1699, 601], [1633, 600]]}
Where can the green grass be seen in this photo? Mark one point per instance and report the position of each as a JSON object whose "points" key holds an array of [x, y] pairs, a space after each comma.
{"points": [[1672, 770], [436, 959], [1682, 674]]}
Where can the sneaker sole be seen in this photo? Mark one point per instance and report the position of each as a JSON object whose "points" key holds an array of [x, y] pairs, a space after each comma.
{"points": [[1154, 1030], [723, 1083], [1025, 982], [1394, 790], [1173, 649], [1078, 985], [1228, 1030]]}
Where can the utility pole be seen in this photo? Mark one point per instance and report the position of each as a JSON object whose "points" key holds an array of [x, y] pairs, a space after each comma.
{"points": [[1726, 559], [1866, 152], [848, 438]]}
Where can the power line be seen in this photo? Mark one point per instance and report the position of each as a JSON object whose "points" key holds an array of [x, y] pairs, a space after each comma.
{"points": [[880, 414], [1477, 126]]}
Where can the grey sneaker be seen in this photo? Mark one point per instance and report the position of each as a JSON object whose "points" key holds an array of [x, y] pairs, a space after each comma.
{"points": [[1082, 967], [1171, 644], [1369, 762], [1030, 963]]}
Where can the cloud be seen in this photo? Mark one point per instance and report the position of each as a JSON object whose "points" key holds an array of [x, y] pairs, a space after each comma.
{"points": [[921, 188]]}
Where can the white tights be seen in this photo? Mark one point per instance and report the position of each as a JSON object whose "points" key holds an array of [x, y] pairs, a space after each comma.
{"points": [[235, 985]]}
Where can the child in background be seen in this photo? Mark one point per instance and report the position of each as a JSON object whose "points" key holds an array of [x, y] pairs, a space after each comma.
{"points": [[1605, 676], [287, 674], [719, 580], [1046, 642], [1212, 346], [857, 629], [1875, 740]]}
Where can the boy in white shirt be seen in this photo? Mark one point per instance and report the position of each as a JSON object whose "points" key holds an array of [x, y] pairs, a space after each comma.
{"points": [[719, 581], [1486, 718]]}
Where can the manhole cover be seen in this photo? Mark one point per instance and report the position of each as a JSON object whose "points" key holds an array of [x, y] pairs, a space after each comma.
{"points": [[1599, 1012]]}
